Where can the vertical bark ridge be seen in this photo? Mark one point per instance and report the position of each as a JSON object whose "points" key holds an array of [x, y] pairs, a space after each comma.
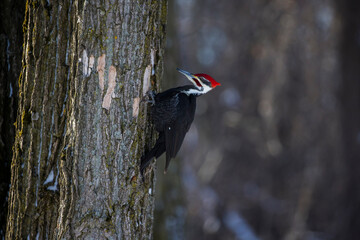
{"points": [[102, 193], [40, 123], [79, 141]]}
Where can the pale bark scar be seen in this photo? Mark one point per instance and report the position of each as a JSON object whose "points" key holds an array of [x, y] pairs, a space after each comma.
{"points": [[136, 107], [101, 70], [146, 81], [112, 83]]}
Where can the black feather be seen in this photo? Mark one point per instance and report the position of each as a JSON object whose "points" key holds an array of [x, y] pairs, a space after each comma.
{"points": [[172, 115]]}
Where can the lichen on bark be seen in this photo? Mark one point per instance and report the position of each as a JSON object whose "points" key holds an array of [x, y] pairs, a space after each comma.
{"points": [[76, 128]]}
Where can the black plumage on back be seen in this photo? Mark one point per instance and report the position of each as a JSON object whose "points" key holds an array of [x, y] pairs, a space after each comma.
{"points": [[172, 113]]}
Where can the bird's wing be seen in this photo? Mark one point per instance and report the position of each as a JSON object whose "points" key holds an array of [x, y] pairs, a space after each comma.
{"points": [[174, 136], [164, 112], [175, 131]]}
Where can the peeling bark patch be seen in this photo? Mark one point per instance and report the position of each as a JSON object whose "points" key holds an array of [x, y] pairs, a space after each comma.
{"points": [[136, 107], [101, 70], [146, 82], [111, 81]]}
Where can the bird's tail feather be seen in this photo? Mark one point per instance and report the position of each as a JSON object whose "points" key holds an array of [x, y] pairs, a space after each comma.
{"points": [[155, 152]]}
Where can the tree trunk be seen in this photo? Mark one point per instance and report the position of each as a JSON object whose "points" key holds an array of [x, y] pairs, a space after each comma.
{"points": [[11, 38], [81, 126]]}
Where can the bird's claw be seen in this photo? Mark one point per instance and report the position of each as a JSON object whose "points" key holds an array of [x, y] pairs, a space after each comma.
{"points": [[150, 97]]}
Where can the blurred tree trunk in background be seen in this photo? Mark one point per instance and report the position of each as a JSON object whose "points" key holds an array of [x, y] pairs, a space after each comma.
{"points": [[274, 152], [350, 116], [80, 126], [11, 39]]}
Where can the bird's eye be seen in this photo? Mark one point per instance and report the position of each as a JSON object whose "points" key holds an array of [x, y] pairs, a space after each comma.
{"points": [[205, 81]]}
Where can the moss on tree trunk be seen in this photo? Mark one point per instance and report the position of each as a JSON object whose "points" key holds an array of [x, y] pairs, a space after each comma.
{"points": [[81, 127]]}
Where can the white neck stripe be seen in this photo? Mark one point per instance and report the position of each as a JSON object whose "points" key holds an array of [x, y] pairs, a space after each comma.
{"points": [[191, 91]]}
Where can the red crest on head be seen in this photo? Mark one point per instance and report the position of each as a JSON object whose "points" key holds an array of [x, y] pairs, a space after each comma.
{"points": [[209, 78]]}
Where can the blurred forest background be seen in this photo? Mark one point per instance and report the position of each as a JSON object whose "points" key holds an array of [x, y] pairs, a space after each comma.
{"points": [[274, 153]]}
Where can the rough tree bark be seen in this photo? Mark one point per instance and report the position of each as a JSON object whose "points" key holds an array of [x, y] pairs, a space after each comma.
{"points": [[81, 127], [11, 17]]}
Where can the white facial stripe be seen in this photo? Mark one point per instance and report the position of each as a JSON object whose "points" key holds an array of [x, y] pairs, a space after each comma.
{"points": [[193, 82]]}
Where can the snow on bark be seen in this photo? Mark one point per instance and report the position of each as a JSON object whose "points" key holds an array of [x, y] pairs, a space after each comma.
{"points": [[152, 60], [85, 61], [91, 64], [93, 161]]}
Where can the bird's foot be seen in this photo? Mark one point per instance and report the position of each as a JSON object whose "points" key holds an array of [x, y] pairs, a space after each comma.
{"points": [[150, 97]]}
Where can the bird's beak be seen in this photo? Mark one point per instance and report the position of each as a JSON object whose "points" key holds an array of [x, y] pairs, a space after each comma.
{"points": [[194, 79], [187, 74]]}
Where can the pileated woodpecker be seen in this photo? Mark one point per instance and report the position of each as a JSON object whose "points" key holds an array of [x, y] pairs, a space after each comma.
{"points": [[172, 113]]}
